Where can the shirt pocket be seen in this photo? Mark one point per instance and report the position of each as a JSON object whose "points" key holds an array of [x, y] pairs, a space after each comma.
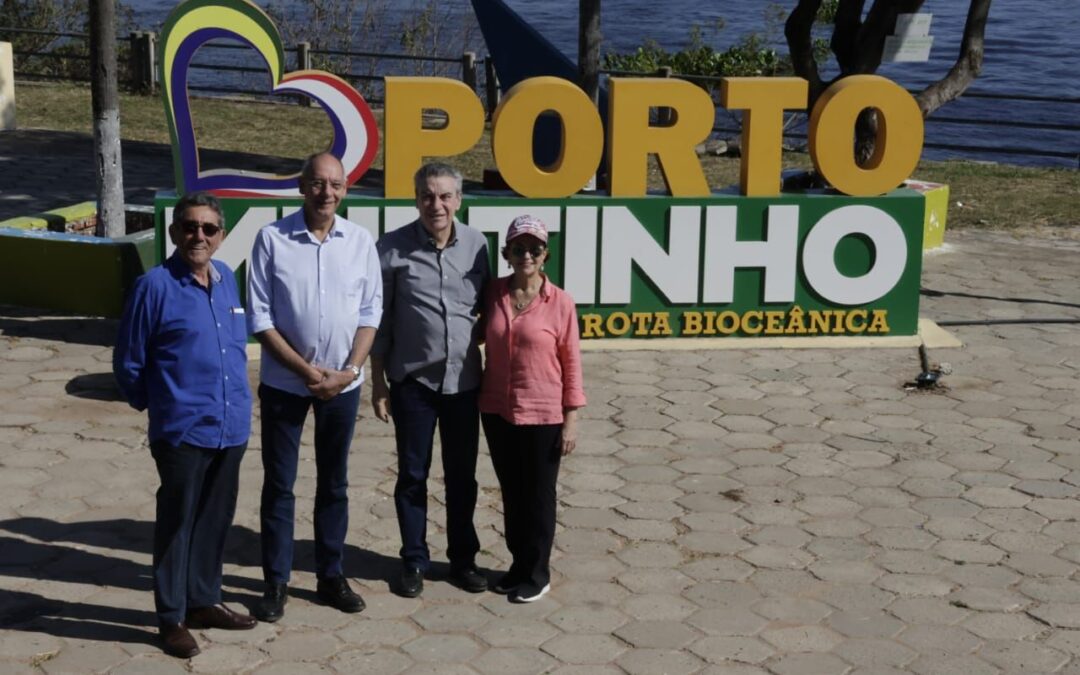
{"points": [[238, 325]]}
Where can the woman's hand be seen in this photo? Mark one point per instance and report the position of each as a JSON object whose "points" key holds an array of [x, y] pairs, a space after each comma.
{"points": [[569, 431]]}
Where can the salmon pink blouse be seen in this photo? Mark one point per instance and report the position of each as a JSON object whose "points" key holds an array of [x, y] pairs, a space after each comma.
{"points": [[532, 367]]}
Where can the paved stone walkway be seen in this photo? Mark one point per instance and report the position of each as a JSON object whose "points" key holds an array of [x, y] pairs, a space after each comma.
{"points": [[744, 511]]}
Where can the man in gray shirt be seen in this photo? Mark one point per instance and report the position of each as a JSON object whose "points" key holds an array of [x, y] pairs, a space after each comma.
{"points": [[434, 273]]}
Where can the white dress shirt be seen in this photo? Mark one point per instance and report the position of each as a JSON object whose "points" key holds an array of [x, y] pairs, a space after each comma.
{"points": [[315, 293]]}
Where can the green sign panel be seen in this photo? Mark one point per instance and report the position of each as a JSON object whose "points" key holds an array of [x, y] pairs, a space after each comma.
{"points": [[658, 266]]}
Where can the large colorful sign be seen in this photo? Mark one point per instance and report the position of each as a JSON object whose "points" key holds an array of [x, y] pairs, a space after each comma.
{"points": [[693, 263]]}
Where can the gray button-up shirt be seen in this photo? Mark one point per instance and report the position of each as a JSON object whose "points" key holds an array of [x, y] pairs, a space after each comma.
{"points": [[431, 303]]}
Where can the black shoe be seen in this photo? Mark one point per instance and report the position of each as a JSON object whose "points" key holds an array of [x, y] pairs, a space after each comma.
{"points": [[506, 584], [412, 582], [176, 640], [335, 592], [271, 606], [468, 578]]}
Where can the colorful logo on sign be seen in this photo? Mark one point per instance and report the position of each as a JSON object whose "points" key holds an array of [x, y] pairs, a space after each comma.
{"points": [[196, 22]]}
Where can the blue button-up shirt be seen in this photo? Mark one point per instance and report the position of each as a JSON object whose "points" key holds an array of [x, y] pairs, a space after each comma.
{"points": [[315, 293], [181, 355]]}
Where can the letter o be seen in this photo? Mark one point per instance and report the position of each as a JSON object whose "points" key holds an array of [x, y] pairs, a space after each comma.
{"points": [[582, 138], [623, 323], [899, 139], [819, 253]]}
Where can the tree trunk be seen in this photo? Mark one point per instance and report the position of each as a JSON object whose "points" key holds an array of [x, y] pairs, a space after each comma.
{"points": [[589, 47], [968, 63], [106, 109]]}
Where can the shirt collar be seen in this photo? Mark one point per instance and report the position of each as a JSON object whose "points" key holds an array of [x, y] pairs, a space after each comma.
{"points": [[299, 227], [182, 272], [423, 237]]}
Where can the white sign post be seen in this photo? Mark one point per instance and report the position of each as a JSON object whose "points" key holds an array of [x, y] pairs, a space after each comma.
{"points": [[911, 40]]}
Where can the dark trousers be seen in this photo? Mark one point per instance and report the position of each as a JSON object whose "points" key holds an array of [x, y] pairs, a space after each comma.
{"points": [[195, 506], [417, 410], [526, 460], [283, 416]]}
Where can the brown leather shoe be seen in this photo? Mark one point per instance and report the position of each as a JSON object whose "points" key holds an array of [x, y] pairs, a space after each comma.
{"points": [[176, 641], [219, 616]]}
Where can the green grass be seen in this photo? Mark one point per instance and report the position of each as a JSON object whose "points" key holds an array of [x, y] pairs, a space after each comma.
{"points": [[981, 195]]}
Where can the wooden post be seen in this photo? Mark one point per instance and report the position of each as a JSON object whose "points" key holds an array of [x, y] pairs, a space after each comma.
{"points": [[142, 61], [468, 69], [106, 107], [303, 62]]}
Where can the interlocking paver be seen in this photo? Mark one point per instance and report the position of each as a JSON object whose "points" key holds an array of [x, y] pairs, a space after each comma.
{"points": [[723, 511]]}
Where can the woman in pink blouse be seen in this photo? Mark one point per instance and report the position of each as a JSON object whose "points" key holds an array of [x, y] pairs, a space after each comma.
{"points": [[529, 400]]}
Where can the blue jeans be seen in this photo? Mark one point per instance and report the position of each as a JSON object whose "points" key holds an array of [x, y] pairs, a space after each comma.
{"points": [[195, 506], [417, 410], [283, 416]]}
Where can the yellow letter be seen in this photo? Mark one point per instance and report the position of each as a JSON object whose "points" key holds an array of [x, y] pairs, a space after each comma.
{"points": [[899, 138], [661, 326], [512, 138], [691, 323], [591, 326], [728, 322], [631, 140], [879, 321], [756, 316], [710, 323], [408, 142], [850, 323], [618, 323], [838, 324], [764, 99], [795, 322], [641, 322], [774, 323], [819, 321]]}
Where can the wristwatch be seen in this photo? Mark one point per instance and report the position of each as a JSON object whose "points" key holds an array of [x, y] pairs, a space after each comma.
{"points": [[355, 372]]}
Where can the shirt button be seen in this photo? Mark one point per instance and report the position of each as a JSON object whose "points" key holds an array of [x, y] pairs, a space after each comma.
{"points": [[222, 351], [226, 377]]}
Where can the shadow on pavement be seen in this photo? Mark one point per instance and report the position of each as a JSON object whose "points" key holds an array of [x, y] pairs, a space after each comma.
{"points": [[95, 386], [34, 613], [50, 558], [41, 324]]}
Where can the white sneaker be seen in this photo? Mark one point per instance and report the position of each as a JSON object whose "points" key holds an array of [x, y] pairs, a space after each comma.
{"points": [[529, 593]]}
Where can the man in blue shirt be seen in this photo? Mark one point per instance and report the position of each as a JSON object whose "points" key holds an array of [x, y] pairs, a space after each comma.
{"points": [[180, 355], [315, 299]]}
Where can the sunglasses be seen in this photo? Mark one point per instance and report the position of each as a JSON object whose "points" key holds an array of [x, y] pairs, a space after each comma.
{"points": [[519, 251], [190, 227]]}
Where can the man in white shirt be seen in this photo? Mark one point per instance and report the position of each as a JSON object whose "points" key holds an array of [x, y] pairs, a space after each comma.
{"points": [[315, 302]]}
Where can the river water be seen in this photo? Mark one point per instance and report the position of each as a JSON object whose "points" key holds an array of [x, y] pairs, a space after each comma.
{"points": [[1030, 50]]}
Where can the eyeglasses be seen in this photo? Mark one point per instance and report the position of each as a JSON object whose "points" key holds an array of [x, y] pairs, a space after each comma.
{"points": [[320, 185], [190, 227], [535, 251]]}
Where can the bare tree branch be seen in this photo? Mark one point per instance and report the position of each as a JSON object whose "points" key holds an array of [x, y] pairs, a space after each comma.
{"points": [[797, 31], [846, 27], [968, 62]]}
